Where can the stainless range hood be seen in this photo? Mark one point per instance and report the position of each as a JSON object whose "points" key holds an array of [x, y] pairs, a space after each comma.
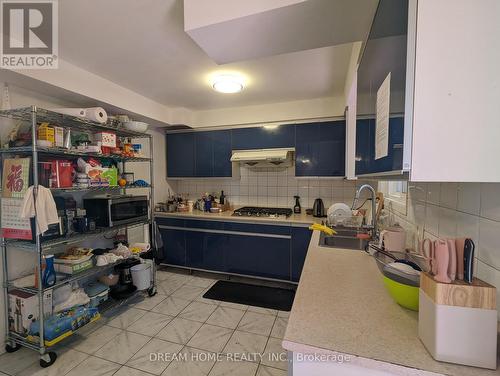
{"points": [[263, 158]]}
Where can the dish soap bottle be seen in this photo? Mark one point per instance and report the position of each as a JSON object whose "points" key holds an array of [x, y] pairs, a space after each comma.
{"points": [[296, 208], [49, 274]]}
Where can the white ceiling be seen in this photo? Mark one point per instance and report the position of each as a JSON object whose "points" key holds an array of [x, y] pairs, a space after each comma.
{"points": [[141, 45]]}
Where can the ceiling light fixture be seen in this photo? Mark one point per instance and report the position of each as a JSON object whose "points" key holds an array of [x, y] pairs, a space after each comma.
{"points": [[228, 83]]}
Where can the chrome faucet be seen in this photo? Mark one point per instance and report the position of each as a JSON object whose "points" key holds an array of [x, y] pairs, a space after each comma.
{"points": [[374, 206]]}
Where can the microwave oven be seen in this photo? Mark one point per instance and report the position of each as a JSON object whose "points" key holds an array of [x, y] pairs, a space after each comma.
{"points": [[117, 211]]}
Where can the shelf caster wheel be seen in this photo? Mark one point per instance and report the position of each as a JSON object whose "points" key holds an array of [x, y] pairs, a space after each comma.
{"points": [[12, 348], [152, 291], [48, 359]]}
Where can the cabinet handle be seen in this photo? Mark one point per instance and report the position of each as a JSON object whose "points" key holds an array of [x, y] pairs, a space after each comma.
{"points": [[210, 231]]}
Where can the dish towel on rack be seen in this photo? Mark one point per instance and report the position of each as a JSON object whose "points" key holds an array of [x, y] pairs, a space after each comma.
{"points": [[46, 211]]}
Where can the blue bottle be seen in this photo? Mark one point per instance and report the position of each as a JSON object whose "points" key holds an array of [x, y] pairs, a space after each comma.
{"points": [[49, 273]]}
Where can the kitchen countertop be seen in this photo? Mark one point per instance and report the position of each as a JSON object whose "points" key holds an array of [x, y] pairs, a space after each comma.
{"points": [[300, 219], [341, 306]]}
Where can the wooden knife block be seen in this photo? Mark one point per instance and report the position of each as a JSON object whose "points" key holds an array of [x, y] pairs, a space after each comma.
{"points": [[479, 294], [457, 322]]}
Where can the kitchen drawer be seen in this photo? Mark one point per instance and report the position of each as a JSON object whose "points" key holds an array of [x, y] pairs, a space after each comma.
{"points": [[203, 224], [175, 222], [257, 228]]}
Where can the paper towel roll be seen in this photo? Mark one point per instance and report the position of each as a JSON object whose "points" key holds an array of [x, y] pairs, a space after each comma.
{"points": [[97, 114]]}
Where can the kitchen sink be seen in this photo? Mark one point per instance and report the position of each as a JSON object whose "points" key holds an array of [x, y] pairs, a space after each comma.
{"points": [[345, 238]]}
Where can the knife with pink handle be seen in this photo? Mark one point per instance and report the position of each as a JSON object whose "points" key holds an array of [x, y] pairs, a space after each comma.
{"points": [[452, 264], [442, 255], [460, 245]]}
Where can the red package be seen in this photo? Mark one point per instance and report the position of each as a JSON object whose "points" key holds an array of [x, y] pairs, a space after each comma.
{"points": [[62, 174]]}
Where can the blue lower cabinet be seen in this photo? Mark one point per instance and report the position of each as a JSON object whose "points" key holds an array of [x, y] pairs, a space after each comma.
{"points": [[174, 246], [301, 236], [205, 250], [259, 256]]}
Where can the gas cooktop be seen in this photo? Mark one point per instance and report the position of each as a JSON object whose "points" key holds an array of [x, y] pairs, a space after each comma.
{"points": [[254, 211]]}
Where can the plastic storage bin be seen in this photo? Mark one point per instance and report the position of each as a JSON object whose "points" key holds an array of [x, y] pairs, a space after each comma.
{"points": [[97, 292]]}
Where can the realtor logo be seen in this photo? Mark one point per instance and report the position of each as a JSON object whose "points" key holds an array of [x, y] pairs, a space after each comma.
{"points": [[29, 37]]}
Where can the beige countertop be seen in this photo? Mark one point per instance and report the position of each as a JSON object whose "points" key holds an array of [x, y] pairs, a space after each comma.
{"points": [[341, 306], [300, 219]]}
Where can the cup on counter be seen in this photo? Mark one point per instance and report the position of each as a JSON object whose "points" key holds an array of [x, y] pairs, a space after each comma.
{"points": [[190, 205]]}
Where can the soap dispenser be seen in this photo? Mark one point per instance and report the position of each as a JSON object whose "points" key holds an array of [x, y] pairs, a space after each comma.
{"points": [[296, 208]]}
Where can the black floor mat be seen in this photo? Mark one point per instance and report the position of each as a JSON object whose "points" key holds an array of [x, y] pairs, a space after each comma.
{"points": [[260, 296]]}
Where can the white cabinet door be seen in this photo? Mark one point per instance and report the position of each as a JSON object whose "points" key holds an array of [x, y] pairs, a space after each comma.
{"points": [[456, 124]]}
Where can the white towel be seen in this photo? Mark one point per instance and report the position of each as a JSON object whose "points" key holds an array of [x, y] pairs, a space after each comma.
{"points": [[46, 211]]}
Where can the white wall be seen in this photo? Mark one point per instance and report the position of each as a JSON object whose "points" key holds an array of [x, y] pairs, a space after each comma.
{"points": [[450, 210]]}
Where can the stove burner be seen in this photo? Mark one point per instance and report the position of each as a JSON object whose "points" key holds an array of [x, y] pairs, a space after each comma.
{"points": [[253, 211]]}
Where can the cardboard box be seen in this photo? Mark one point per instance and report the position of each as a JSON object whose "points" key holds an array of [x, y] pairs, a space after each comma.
{"points": [[107, 139], [23, 309], [58, 137]]}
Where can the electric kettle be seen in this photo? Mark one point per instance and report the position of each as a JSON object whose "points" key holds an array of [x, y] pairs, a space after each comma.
{"points": [[318, 208]]}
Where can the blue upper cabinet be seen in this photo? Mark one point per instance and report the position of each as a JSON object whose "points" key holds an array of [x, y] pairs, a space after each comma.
{"points": [[204, 152], [282, 136], [365, 147], [199, 154], [222, 153], [320, 149], [180, 155]]}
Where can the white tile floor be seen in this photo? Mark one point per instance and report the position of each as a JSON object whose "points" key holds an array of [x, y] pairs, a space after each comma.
{"points": [[177, 323]]}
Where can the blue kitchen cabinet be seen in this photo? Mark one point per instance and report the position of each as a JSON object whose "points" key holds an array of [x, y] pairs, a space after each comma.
{"points": [[174, 246], [180, 155], [365, 147], [204, 154], [320, 149], [205, 250], [222, 150], [282, 136], [301, 236], [199, 154], [252, 249], [259, 256]]}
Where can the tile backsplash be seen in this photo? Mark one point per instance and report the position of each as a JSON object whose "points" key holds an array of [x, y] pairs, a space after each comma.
{"points": [[271, 187], [457, 210]]}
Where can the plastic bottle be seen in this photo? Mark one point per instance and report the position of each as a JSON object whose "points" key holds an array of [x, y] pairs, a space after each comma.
{"points": [[49, 274]]}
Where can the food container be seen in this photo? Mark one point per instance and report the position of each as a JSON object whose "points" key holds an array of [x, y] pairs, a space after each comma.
{"points": [[46, 133], [73, 266], [107, 139]]}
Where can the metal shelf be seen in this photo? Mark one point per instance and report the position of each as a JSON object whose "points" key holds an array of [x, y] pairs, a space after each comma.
{"points": [[34, 116], [76, 238], [57, 152], [95, 270], [73, 122], [96, 189]]}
